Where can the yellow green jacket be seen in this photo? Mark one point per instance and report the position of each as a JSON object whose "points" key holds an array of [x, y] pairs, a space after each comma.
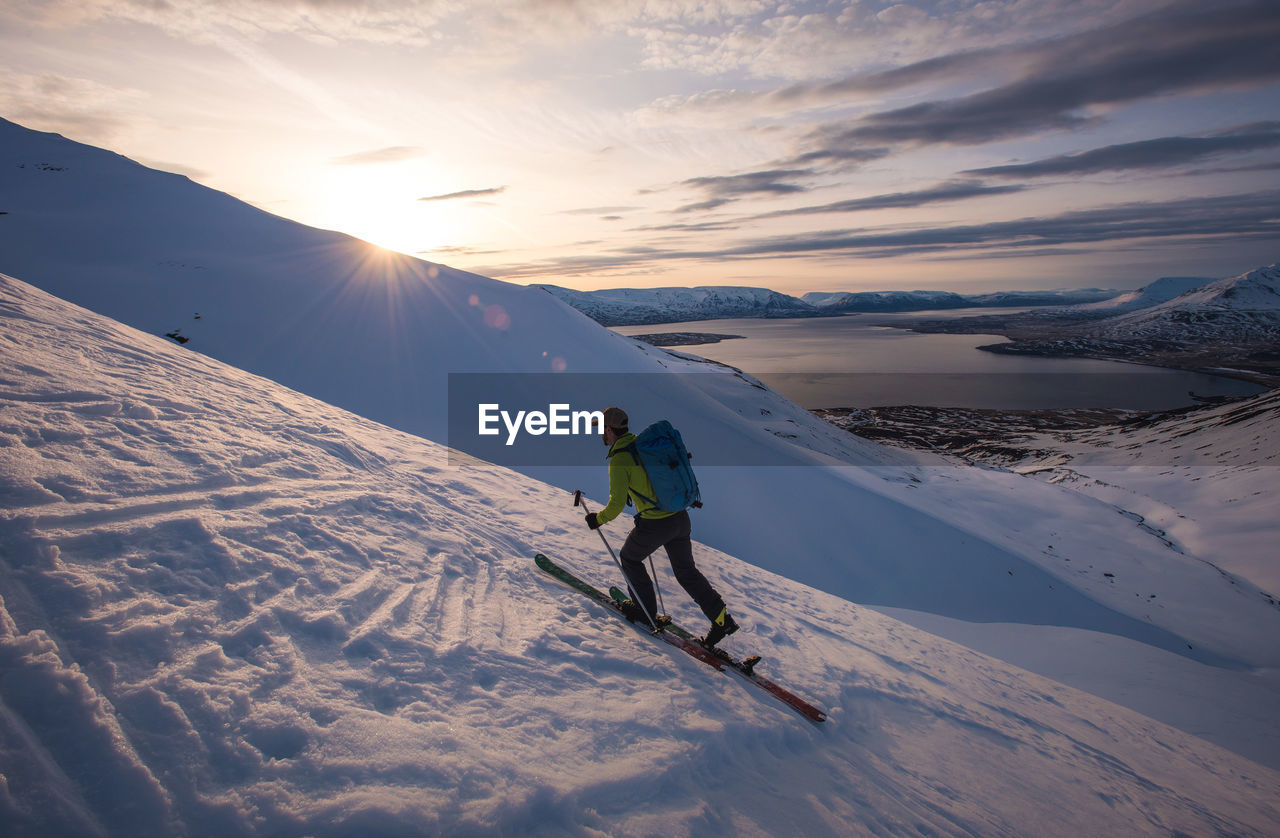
{"points": [[627, 478]]}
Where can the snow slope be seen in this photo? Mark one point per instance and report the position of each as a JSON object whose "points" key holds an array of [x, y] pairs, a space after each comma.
{"points": [[230, 609], [379, 334], [1202, 478], [318, 311], [313, 309]]}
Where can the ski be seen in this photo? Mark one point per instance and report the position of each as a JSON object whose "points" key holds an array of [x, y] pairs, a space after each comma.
{"points": [[743, 666], [685, 642], [685, 645]]}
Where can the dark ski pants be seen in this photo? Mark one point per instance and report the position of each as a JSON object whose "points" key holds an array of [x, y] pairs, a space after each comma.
{"points": [[672, 533]]}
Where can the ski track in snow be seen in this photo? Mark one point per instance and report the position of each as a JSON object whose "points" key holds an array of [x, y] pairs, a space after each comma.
{"points": [[229, 609]]}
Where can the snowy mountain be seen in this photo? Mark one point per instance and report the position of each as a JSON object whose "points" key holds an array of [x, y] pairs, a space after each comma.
{"points": [[230, 609], [1241, 308], [383, 335], [313, 309], [1229, 325], [635, 306], [1059, 297], [882, 301], [1160, 291], [892, 301], [373, 609]]}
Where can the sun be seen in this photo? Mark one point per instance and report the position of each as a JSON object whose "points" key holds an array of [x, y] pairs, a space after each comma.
{"points": [[380, 205]]}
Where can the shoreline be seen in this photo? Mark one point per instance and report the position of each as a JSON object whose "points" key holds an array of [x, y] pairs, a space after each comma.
{"points": [[683, 338], [1062, 337], [1047, 336], [1262, 379]]}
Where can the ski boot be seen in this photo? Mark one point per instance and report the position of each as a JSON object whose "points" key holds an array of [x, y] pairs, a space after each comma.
{"points": [[635, 614], [721, 627]]}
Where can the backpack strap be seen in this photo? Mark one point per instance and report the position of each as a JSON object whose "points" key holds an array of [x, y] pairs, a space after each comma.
{"points": [[635, 455]]}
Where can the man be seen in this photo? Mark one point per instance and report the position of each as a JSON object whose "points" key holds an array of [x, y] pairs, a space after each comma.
{"points": [[654, 528]]}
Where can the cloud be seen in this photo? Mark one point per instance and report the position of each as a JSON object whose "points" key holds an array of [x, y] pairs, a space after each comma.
{"points": [[729, 188], [478, 27], [1257, 167], [457, 250], [1145, 154], [813, 40], [82, 108], [956, 190], [941, 68], [700, 227], [726, 189], [604, 211], [391, 154], [1063, 80], [841, 158], [317, 20], [1239, 216], [466, 193], [1245, 217]]}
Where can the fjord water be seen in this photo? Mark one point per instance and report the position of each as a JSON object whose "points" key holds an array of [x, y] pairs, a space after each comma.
{"points": [[858, 361]]}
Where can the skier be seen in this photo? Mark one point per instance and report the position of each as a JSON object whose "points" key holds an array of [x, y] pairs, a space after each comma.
{"points": [[654, 528]]}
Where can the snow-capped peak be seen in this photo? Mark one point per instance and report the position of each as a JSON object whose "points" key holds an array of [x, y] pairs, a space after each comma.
{"points": [[1243, 307], [1257, 290], [1160, 291]]}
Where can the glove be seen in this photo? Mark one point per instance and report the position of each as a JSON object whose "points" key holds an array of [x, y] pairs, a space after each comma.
{"points": [[592, 522]]}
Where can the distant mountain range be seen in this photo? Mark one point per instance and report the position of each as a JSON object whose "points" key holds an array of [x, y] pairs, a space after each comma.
{"points": [[636, 306], [1225, 326], [895, 301]]}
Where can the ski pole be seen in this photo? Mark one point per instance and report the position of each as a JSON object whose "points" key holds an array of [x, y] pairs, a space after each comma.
{"points": [[578, 501], [662, 606]]}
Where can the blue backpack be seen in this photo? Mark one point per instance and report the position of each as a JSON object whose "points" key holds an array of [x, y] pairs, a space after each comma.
{"points": [[661, 453]]}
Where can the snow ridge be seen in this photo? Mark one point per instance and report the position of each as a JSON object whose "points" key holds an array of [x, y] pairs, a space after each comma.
{"points": [[1160, 291]]}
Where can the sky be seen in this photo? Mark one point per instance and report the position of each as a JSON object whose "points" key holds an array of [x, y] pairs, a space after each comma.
{"points": [[809, 146]]}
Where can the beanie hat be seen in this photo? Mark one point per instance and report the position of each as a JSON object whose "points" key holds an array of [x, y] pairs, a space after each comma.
{"points": [[616, 418]]}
